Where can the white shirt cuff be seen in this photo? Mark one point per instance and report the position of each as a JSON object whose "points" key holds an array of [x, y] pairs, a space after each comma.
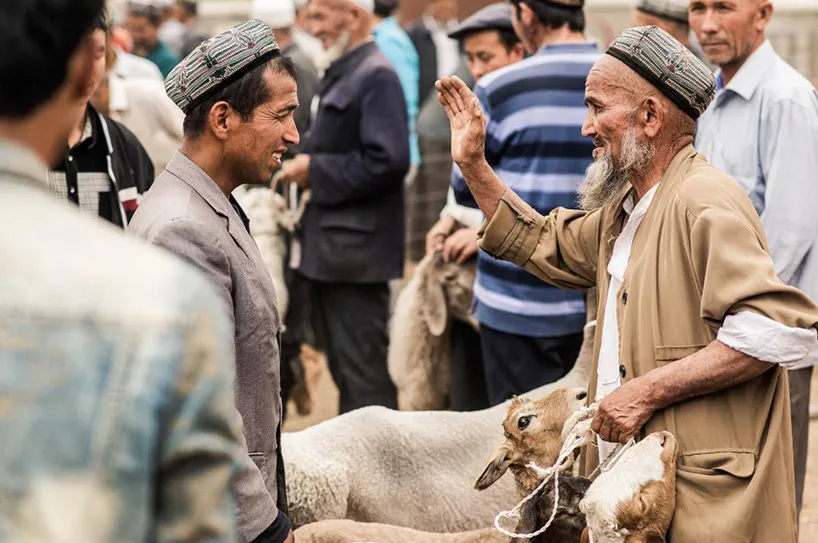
{"points": [[467, 216], [767, 340]]}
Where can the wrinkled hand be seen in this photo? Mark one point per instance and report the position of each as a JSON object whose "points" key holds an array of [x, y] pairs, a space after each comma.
{"points": [[466, 119], [296, 171], [624, 412], [461, 245], [438, 234], [290, 538]]}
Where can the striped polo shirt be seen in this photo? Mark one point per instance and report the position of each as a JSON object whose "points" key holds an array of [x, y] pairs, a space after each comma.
{"points": [[534, 111]]}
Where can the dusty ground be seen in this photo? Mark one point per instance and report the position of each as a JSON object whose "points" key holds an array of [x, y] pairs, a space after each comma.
{"points": [[328, 400]]}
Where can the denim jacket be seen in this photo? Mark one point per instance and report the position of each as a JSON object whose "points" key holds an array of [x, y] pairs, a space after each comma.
{"points": [[117, 413]]}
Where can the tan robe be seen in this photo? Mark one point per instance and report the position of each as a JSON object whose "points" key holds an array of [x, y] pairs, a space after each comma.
{"points": [[700, 254]]}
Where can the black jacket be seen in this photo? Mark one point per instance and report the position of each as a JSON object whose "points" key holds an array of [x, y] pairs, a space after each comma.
{"points": [[353, 230], [427, 53], [131, 166]]}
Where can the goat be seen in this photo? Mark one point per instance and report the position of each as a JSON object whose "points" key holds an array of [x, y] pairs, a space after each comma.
{"points": [[419, 355], [349, 466], [634, 501]]}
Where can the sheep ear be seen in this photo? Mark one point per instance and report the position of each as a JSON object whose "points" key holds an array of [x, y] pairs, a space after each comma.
{"points": [[497, 466], [434, 312], [585, 537]]}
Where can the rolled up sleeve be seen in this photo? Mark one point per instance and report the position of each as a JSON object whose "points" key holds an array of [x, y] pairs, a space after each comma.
{"points": [[767, 340]]}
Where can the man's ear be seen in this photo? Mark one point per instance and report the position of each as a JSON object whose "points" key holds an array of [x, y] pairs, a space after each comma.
{"points": [[517, 52], [219, 119], [651, 114]]}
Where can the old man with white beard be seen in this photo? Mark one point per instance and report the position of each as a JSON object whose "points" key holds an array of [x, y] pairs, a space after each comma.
{"points": [[697, 330]]}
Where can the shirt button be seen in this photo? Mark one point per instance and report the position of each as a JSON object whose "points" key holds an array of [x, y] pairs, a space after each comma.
{"points": [[624, 298], [72, 190], [70, 158], [622, 371]]}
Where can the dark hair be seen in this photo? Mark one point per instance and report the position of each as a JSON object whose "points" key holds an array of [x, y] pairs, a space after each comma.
{"points": [[508, 38], [189, 6], [553, 16], [244, 94], [102, 22], [385, 8], [148, 11], [38, 38]]}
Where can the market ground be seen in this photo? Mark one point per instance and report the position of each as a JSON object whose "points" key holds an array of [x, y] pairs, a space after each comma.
{"points": [[327, 402]]}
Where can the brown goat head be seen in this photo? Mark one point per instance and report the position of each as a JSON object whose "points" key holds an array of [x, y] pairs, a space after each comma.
{"points": [[533, 433]]}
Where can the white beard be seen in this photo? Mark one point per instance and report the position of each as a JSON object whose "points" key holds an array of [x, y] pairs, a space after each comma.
{"points": [[605, 178], [335, 51]]}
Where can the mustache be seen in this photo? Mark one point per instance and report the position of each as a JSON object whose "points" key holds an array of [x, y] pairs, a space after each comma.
{"points": [[598, 141]]}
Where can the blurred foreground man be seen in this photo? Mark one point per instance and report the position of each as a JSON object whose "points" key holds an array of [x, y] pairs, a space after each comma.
{"points": [[236, 130], [114, 357], [762, 129], [697, 330], [354, 161]]}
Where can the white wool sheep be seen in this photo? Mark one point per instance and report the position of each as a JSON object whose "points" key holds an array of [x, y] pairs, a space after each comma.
{"points": [[411, 469], [419, 350], [344, 531]]}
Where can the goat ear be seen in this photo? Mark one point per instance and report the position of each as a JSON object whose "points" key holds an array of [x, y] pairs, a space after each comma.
{"points": [[585, 537], [435, 312], [497, 466]]}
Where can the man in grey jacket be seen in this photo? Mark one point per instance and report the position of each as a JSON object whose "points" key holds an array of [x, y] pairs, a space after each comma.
{"points": [[239, 95]]}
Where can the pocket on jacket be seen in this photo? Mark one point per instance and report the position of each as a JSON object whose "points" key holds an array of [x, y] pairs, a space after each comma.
{"points": [[347, 229], [671, 353], [741, 464]]}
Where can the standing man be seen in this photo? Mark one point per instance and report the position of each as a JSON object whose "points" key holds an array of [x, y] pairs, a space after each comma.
{"points": [[531, 332], [439, 54], [394, 43], [697, 328], [762, 129], [670, 16], [116, 366], [187, 13], [236, 130], [105, 170], [354, 161], [489, 43], [143, 24]]}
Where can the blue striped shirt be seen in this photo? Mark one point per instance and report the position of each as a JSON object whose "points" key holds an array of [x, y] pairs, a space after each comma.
{"points": [[534, 111]]}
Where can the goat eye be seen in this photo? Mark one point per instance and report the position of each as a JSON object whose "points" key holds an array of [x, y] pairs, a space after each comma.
{"points": [[523, 422]]}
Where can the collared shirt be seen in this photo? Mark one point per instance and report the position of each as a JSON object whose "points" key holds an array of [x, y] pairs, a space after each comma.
{"points": [[164, 58], [762, 130], [394, 43], [534, 110], [746, 332], [82, 178]]}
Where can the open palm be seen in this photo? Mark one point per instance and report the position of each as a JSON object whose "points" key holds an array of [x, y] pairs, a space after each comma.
{"points": [[466, 119]]}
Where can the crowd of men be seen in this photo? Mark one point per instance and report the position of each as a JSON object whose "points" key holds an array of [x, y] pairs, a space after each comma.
{"points": [[155, 387]]}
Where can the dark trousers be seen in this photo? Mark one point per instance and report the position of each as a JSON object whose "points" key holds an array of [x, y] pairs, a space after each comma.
{"points": [[518, 364], [297, 331], [468, 384], [352, 319], [800, 381]]}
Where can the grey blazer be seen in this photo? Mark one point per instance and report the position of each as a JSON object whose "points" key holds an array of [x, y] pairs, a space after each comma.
{"points": [[186, 213]]}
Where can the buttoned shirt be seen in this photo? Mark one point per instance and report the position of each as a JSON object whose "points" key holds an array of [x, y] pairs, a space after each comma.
{"points": [[762, 130]]}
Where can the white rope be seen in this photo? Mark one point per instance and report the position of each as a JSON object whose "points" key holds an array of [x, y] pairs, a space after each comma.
{"points": [[576, 433]]}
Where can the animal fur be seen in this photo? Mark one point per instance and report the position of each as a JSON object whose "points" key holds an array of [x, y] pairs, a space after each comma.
{"points": [[569, 522], [345, 531], [419, 344], [351, 467]]}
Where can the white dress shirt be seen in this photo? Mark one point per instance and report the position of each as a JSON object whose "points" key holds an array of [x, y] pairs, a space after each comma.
{"points": [[762, 130], [448, 50], [749, 333], [467, 216]]}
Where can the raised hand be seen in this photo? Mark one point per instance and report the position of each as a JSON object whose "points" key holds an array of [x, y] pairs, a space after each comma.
{"points": [[465, 118]]}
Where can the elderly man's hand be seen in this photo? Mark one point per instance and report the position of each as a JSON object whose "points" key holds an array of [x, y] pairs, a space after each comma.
{"points": [[438, 234], [461, 245], [465, 118], [296, 171], [623, 412]]}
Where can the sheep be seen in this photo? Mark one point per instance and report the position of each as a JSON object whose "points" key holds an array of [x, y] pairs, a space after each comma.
{"points": [[634, 501], [344, 531], [533, 433], [419, 352], [349, 467]]}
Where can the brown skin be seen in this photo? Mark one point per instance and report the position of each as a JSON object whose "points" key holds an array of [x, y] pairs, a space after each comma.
{"points": [[442, 11], [144, 34], [98, 40], [729, 31], [676, 29], [533, 432], [625, 411], [331, 20], [47, 129], [234, 152]]}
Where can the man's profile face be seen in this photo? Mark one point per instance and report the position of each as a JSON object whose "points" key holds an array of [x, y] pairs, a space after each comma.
{"points": [[143, 34], [727, 29], [329, 19], [98, 42], [485, 52], [256, 147]]}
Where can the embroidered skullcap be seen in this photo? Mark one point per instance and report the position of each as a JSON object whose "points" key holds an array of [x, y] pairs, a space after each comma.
{"points": [[673, 10], [667, 65], [219, 61]]}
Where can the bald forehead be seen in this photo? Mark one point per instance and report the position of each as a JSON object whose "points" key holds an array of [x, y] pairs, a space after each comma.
{"points": [[610, 73]]}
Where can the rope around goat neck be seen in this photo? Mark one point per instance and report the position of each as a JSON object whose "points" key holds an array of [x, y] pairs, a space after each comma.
{"points": [[580, 435]]}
